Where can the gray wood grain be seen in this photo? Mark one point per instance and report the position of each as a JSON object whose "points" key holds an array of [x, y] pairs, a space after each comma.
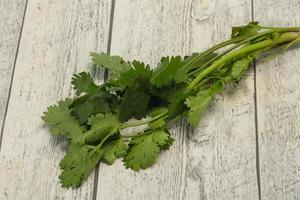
{"points": [[11, 17], [57, 38], [278, 106], [216, 161]]}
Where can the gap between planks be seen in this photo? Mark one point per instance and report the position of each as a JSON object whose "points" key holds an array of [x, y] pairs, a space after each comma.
{"points": [[256, 119], [111, 22], [12, 74]]}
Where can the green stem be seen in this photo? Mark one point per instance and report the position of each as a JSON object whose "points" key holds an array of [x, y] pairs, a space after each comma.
{"points": [[231, 49], [216, 47], [242, 40], [279, 30], [102, 142], [282, 29], [133, 136], [136, 123], [285, 37], [142, 122]]}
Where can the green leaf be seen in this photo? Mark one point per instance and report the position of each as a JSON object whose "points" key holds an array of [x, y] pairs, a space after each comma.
{"points": [[136, 98], [83, 83], [199, 103], [142, 153], [113, 150], [61, 122], [78, 163], [163, 139], [144, 149], [169, 70], [168, 93], [104, 121], [114, 63], [134, 101], [250, 28], [101, 126], [134, 104], [177, 105], [240, 66], [91, 104], [138, 74]]}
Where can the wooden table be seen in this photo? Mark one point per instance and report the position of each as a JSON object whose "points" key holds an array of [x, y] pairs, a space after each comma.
{"points": [[247, 146]]}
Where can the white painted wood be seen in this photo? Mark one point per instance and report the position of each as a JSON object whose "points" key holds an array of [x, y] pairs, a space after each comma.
{"points": [[278, 96], [57, 38], [11, 15], [218, 160]]}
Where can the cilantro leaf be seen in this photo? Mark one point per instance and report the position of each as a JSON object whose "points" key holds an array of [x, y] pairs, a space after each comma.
{"points": [[139, 73], [198, 104], [134, 104], [113, 150], [163, 139], [104, 121], [61, 122], [239, 67], [143, 150], [177, 105], [169, 69], [83, 83], [101, 126], [114, 63], [142, 153], [78, 163], [168, 93], [250, 28], [136, 83], [90, 104]]}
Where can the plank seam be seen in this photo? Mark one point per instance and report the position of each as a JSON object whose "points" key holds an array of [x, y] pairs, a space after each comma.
{"points": [[111, 23], [95, 189], [256, 120], [12, 75], [256, 135]]}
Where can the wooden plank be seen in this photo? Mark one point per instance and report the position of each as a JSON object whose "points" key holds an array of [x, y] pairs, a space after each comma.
{"points": [[278, 108], [216, 161], [11, 17], [57, 38]]}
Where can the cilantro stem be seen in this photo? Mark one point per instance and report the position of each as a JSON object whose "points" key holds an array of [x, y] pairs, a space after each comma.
{"points": [[283, 38], [133, 136], [102, 142], [136, 123], [230, 49], [282, 29], [216, 47], [142, 122], [248, 39]]}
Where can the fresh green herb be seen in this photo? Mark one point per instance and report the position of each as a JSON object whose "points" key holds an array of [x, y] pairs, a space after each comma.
{"points": [[94, 121]]}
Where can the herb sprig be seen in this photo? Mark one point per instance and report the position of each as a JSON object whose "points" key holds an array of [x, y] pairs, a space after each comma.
{"points": [[135, 95]]}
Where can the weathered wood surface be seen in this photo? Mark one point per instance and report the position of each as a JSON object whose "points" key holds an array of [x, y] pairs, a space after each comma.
{"points": [[11, 18], [278, 108], [216, 161], [56, 41]]}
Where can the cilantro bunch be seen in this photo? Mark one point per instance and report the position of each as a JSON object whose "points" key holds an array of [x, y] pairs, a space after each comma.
{"points": [[94, 121]]}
